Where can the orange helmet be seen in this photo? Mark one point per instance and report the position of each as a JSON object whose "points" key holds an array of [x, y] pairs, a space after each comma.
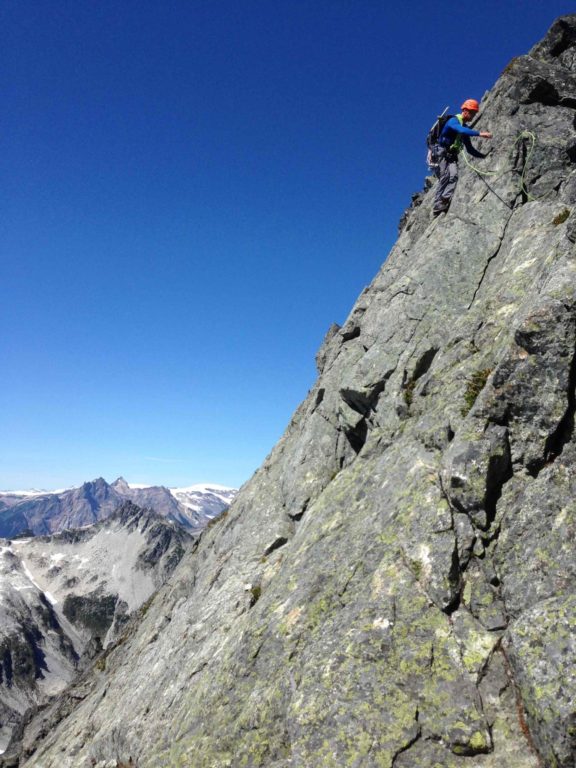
{"points": [[471, 105]]}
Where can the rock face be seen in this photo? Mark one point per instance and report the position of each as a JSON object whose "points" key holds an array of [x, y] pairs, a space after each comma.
{"points": [[395, 586], [64, 598], [37, 658]]}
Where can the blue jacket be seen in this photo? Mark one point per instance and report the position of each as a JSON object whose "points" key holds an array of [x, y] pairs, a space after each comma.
{"points": [[455, 134]]}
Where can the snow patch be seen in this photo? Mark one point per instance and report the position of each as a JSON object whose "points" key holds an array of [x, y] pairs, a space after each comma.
{"points": [[203, 488], [47, 595], [30, 576], [51, 599], [33, 492]]}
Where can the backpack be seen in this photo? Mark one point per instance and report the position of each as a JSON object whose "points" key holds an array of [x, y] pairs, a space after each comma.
{"points": [[433, 136], [436, 130]]}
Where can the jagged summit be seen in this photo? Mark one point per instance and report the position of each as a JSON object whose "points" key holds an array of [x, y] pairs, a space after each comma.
{"points": [[120, 485], [48, 512], [558, 46], [395, 586]]}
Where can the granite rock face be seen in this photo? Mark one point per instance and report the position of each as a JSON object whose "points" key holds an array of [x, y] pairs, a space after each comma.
{"points": [[395, 586]]}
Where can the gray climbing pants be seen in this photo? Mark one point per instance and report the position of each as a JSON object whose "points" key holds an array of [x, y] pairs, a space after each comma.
{"points": [[447, 173]]}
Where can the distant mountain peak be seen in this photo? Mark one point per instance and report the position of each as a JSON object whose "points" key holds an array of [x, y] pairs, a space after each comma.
{"points": [[95, 500], [120, 484]]}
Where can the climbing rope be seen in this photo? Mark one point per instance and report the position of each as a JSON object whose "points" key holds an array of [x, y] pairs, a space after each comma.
{"points": [[523, 135], [532, 137]]}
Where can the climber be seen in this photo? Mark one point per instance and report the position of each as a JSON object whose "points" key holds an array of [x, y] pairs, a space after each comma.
{"points": [[454, 135]]}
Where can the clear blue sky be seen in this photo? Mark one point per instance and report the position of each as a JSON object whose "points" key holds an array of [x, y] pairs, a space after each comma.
{"points": [[192, 191]]}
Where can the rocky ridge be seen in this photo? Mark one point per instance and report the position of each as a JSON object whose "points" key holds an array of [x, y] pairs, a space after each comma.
{"points": [[64, 598], [41, 513], [395, 586]]}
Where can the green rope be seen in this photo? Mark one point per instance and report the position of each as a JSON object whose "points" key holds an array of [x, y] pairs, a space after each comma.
{"points": [[521, 136]]}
